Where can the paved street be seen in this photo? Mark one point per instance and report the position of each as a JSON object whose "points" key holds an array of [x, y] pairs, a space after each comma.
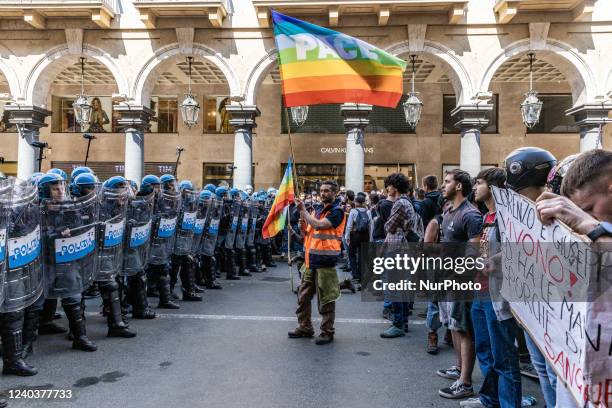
{"points": [[232, 350]]}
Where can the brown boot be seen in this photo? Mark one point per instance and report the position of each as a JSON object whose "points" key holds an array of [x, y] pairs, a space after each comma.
{"points": [[299, 333], [432, 343]]}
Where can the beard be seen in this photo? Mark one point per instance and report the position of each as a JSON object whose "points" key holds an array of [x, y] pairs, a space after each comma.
{"points": [[327, 200]]}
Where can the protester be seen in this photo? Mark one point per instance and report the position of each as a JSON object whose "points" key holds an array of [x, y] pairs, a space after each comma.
{"points": [[323, 232], [357, 233], [495, 329], [527, 171], [461, 223], [403, 226]]}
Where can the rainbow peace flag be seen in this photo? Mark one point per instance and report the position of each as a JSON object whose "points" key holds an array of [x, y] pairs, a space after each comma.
{"points": [[285, 196], [319, 65]]}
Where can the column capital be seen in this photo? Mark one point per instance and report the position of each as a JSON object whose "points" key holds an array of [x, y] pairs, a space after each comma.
{"points": [[472, 116], [355, 115], [134, 116], [591, 114], [31, 117], [242, 116]]}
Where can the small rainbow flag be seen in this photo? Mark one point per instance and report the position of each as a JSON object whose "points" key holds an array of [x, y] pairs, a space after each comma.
{"points": [[319, 65], [285, 196]]}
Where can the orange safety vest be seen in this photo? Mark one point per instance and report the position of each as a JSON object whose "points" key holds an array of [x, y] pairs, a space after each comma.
{"points": [[323, 246]]}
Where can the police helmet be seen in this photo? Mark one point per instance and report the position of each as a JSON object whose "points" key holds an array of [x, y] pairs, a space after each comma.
{"points": [[234, 192], [205, 195], [115, 182], [147, 183], [210, 187], [35, 177], [45, 181], [220, 192], [79, 170], [60, 172], [84, 184], [185, 185], [528, 167]]}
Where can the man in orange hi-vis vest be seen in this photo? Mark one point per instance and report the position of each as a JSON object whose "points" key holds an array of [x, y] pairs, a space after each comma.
{"points": [[322, 244]]}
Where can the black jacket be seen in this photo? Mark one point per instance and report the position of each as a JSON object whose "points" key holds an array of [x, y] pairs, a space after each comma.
{"points": [[430, 207]]}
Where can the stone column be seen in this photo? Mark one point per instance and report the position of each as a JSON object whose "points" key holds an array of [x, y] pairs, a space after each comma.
{"points": [[471, 119], [243, 121], [29, 119], [355, 121], [590, 119], [134, 120]]}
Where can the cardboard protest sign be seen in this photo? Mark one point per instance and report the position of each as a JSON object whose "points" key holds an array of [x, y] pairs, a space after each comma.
{"points": [[549, 276]]}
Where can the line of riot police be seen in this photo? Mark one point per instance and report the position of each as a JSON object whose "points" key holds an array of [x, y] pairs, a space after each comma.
{"points": [[60, 237]]}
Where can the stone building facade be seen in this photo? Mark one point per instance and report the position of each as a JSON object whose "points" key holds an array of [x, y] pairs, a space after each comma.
{"points": [[470, 53]]}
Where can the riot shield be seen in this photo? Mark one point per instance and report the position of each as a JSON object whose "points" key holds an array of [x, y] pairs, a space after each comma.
{"points": [[70, 234], [24, 274], [113, 209], [234, 222], [198, 229], [138, 234], [211, 227], [165, 215], [243, 225], [186, 223], [6, 189], [253, 214]]}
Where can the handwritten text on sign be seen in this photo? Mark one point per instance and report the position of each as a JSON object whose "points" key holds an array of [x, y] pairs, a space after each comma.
{"points": [[547, 274]]}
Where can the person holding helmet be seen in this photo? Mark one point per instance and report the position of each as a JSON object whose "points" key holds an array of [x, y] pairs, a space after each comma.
{"points": [[527, 172], [136, 250]]}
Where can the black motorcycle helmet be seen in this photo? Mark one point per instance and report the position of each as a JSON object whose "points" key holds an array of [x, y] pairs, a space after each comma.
{"points": [[528, 167]]}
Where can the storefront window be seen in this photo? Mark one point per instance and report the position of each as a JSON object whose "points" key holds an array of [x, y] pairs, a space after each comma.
{"points": [[217, 118], [63, 120], [215, 173], [310, 175], [450, 102], [553, 118], [5, 126], [328, 119], [105, 170], [166, 112]]}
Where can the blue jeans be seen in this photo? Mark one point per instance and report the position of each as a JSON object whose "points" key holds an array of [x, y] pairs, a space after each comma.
{"points": [[548, 378], [433, 317], [497, 357], [400, 313]]}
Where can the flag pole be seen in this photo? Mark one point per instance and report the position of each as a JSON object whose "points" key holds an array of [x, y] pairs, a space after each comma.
{"points": [[297, 191]]}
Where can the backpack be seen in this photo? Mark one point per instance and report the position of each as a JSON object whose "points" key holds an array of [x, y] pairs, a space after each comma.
{"points": [[416, 233], [362, 222], [361, 228]]}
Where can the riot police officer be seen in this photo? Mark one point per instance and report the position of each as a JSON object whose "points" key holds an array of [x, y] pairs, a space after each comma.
{"points": [[20, 260], [241, 234], [113, 205], [182, 261], [208, 246], [136, 248], [162, 239]]}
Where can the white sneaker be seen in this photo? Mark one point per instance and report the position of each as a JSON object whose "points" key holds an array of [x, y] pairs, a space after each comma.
{"points": [[472, 403]]}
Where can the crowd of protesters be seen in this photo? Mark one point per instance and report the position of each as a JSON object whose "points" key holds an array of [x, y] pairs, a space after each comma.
{"points": [[576, 191]]}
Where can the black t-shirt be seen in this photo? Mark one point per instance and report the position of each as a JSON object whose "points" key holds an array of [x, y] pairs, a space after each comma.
{"points": [[334, 216], [462, 223]]}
